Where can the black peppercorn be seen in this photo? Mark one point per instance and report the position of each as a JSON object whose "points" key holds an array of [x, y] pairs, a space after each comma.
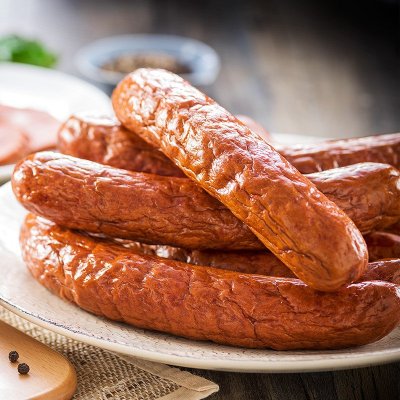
{"points": [[23, 368], [13, 356]]}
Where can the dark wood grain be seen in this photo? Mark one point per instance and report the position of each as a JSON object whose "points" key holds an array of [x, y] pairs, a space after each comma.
{"points": [[321, 68]]}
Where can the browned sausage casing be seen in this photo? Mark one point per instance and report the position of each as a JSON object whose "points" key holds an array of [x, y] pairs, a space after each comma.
{"points": [[204, 303], [339, 153], [304, 229], [250, 262], [383, 270], [153, 209], [383, 245], [367, 192], [103, 139]]}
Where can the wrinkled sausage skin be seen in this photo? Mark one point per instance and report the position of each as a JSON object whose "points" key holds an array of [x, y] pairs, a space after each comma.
{"points": [[103, 139], [383, 270], [163, 210], [249, 262], [367, 192], [383, 245], [308, 158], [204, 303], [304, 229], [148, 208]]}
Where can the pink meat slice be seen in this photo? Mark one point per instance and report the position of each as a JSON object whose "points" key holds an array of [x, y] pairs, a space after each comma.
{"points": [[39, 126]]}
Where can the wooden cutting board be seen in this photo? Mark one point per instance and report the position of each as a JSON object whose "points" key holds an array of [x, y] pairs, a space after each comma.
{"points": [[51, 376]]}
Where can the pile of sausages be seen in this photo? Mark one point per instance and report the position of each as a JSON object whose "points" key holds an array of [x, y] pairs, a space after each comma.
{"points": [[178, 217]]}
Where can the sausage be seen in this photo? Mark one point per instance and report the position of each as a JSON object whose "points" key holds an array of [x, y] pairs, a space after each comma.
{"points": [[367, 192], [14, 144], [395, 228], [154, 209], [148, 208], [383, 270], [383, 245], [308, 158], [204, 303], [304, 229], [103, 139], [250, 262]]}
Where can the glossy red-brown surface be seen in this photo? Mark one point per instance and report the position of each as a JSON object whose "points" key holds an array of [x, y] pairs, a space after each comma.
{"points": [[340, 153], [14, 144], [204, 303], [383, 245], [103, 139], [369, 193], [148, 208], [383, 270], [304, 229], [154, 209], [250, 262]]}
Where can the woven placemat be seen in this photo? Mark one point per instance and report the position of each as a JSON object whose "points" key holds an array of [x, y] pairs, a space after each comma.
{"points": [[105, 375]]}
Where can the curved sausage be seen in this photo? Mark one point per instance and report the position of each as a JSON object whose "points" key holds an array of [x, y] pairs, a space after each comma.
{"points": [[308, 158], [153, 209], [103, 139], [383, 245], [383, 270], [369, 193], [250, 262], [147, 208], [204, 303], [305, 230]]}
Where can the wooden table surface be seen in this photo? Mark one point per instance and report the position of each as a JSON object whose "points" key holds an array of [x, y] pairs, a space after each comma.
{"points": [[319, 68]]}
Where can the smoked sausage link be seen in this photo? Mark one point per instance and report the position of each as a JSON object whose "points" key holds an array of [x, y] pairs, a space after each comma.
{"points": [[308, 158], [383, 245], [204, 303], [103, 139], [304, 229], [175, 211], [367, 192], [249, 262]]}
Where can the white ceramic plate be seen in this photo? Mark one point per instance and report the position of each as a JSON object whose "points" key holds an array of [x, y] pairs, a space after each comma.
{"points": [[20, 293], [44, 89]]}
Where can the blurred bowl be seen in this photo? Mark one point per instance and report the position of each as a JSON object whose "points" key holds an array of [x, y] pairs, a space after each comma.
{"points": [[202, 61]]}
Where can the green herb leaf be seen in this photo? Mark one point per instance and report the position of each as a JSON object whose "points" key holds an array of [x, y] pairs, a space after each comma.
{"points": [[17, 49]]}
